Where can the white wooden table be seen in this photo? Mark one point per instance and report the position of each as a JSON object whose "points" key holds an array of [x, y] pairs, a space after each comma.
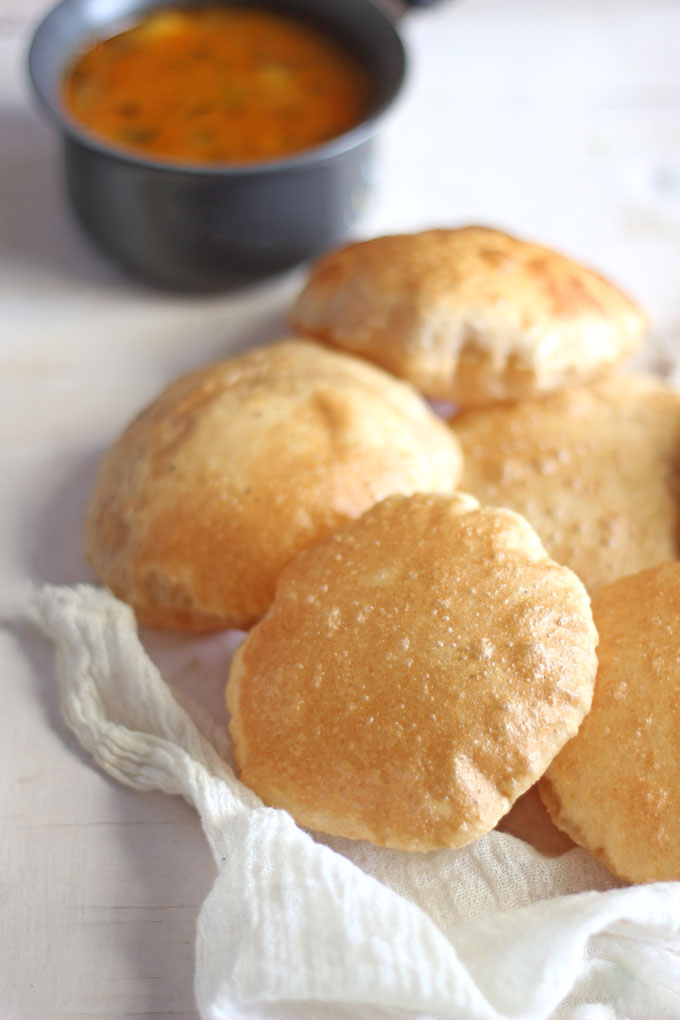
{"points": [[558, 120]]}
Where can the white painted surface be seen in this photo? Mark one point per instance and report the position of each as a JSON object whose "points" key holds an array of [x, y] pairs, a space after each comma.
{"points": [[560, 121]]}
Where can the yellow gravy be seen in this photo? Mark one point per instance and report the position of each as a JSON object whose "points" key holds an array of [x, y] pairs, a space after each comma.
{"points": [[216, 85]]}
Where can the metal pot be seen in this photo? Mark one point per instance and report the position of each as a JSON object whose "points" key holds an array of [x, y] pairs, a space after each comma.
{"points": [[210, 228]]}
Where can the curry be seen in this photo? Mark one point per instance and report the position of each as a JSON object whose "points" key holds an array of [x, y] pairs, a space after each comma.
{"points": [[216, 85]]}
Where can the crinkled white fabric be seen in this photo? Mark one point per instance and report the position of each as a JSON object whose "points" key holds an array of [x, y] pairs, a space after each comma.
{"points": [[295, 929]]}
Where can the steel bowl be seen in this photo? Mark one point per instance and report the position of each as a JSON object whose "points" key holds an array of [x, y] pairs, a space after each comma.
{"points": [[202, 228]]}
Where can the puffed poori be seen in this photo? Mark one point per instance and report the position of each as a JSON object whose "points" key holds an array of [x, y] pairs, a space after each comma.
{"points": [[594, 469], [237, 466], [416, 672], [615, 788], [471, 315]]}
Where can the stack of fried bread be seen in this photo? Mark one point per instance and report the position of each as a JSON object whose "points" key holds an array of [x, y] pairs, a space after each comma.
{"points": [[423, 646]]}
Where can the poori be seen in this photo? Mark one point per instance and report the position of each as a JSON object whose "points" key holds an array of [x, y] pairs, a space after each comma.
{"points": [[615, 788], [416, 672], [238, 465], [469, 315], [595, 469]]}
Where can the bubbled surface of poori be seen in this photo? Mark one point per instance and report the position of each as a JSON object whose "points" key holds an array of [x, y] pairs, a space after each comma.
{"points": [[416, 672]]}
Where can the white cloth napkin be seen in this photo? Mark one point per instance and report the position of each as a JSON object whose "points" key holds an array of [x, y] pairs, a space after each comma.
{"points": [[296, 927]]}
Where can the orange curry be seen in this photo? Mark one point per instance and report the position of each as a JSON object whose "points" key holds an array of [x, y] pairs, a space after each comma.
{"points": [[216, 85]]}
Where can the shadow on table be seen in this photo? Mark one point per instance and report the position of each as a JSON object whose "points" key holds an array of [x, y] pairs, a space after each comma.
{"points": [[53, 531], [40, 229], [37, 226], [51, 538], [170, 871], [139, 925], [143, 927]]}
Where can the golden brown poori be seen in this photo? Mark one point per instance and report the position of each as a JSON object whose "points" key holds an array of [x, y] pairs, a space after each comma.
{"points": [[615, 788], [469, 315], [595, 469], [238, 465], [416, 672]]}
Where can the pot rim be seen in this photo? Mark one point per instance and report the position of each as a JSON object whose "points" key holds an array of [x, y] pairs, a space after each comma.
{"points": [[329, 150]]}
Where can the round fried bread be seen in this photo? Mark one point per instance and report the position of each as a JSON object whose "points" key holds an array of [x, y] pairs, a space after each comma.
{"points": [[472, 315], [594, 469], [416, 672], [615, 788], [237, 466]]}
